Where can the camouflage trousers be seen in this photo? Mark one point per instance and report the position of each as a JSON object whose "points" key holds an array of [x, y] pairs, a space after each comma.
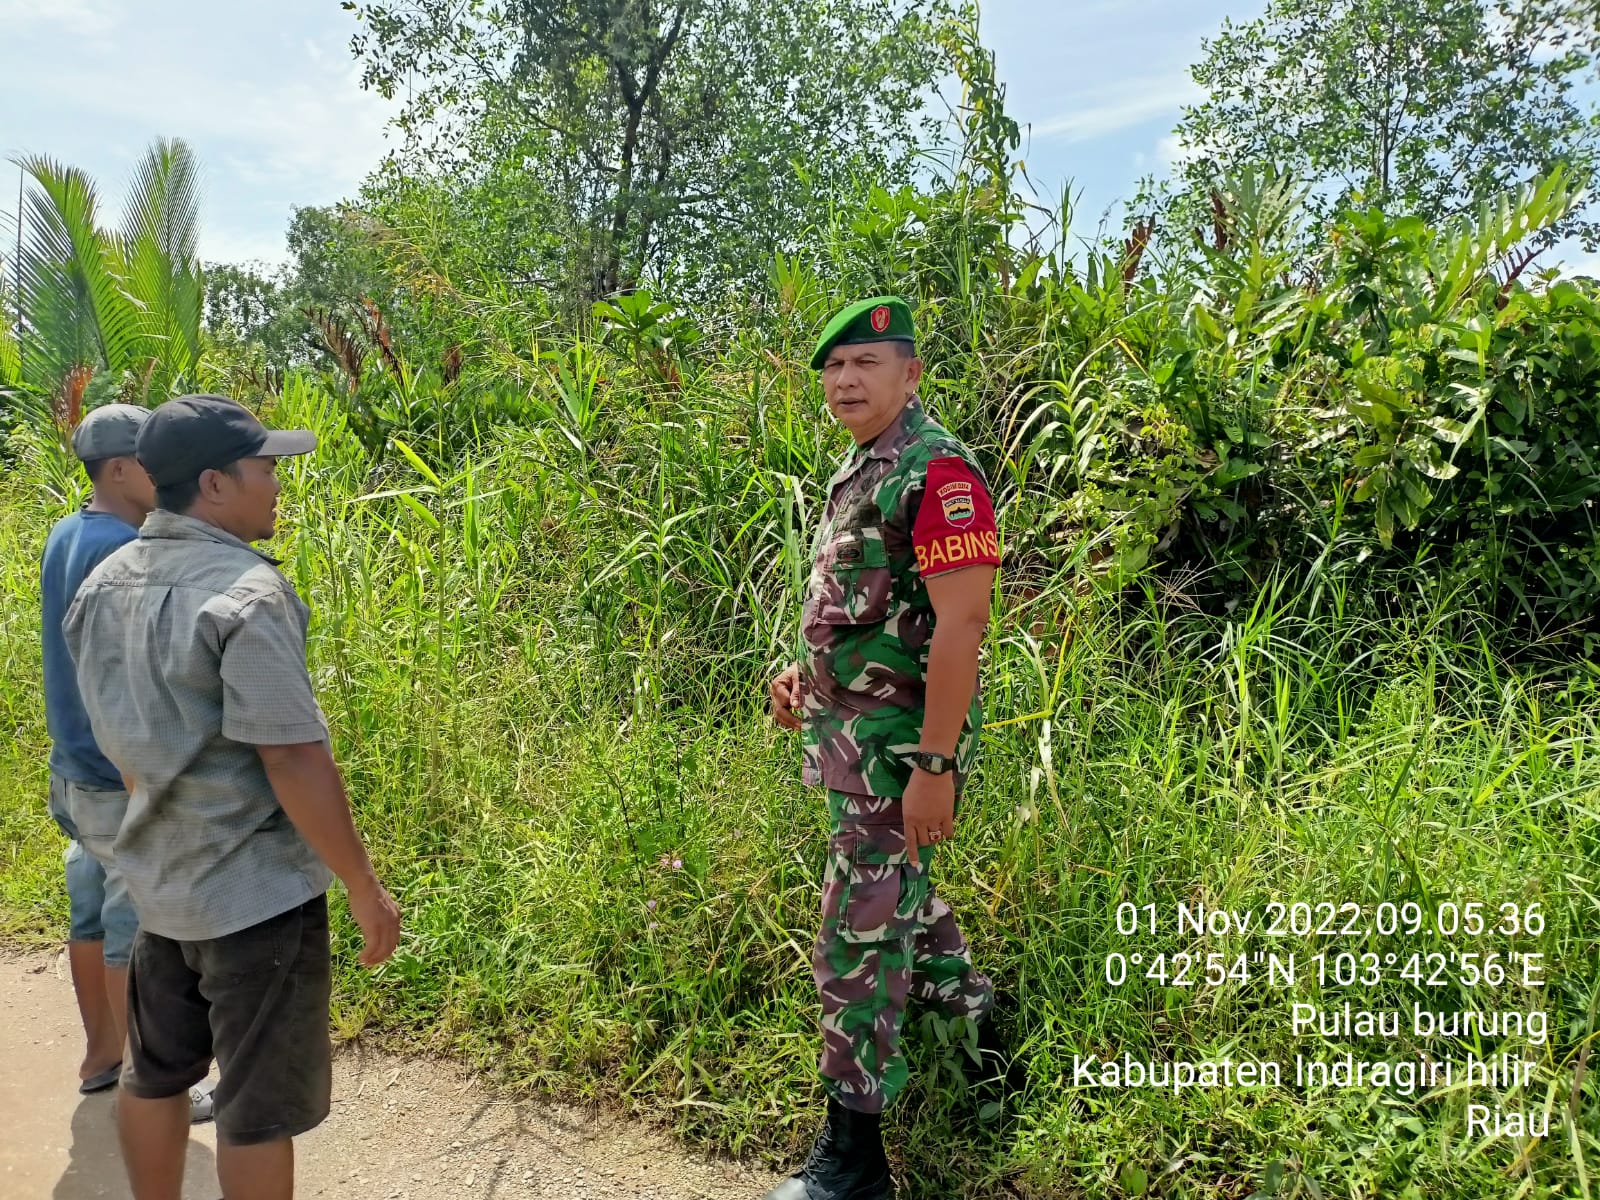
{"points": [[886, 937]]}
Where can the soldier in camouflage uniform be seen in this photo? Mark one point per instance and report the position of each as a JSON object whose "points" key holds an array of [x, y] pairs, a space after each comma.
{"points": [[886, 695]]}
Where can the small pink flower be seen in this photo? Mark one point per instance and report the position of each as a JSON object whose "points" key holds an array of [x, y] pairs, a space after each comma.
{"points": [[650, 904], [677, 864], [652, 927]]}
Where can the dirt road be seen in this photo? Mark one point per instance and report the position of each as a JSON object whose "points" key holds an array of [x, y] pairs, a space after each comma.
{"points": [[400, 1129]]}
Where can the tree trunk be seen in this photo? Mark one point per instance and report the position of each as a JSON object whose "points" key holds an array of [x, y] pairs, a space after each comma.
{"points": [[623, 205]]}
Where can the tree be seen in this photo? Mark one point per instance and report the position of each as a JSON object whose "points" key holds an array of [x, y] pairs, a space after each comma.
{"points": [[333, 261], [272, 318], [116, 310], [1423, 106], [615, 139], [241, 306]]}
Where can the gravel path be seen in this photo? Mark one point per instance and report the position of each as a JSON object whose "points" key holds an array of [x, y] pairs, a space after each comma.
{"points": [[400, 1129]]}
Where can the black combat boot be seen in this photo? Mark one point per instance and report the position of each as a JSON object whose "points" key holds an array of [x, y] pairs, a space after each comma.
{"points": [[997, 1076], [846, 1163]]}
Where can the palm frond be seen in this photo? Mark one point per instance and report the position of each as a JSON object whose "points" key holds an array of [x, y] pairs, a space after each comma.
{"points": [[10, 351], [159, 242], [10, 359], [164, 201], [77, 312]]}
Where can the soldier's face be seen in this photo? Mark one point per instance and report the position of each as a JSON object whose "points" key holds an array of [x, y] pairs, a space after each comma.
{"points": [[867, 385]]}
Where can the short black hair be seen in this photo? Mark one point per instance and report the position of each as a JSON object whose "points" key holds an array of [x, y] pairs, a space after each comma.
{"points": [[180, 497], [95, 468]]}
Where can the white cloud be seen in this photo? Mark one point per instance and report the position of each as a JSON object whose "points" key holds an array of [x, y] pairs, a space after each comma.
{"points": [[1135, 104], [228, 243], [266, 95], [1581, 264], [80, 18], [1172, 151], [324, 129], [320, 128]]}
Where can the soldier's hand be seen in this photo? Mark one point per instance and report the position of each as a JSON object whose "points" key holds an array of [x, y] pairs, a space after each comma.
{"points": [[929, 807], [785, 691]]}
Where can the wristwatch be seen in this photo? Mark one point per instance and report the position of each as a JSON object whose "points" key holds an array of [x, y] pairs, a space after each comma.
{"points": [[934, 764]]}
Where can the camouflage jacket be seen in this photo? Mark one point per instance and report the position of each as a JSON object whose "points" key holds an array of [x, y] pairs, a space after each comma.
{"points": [[867, 621]]}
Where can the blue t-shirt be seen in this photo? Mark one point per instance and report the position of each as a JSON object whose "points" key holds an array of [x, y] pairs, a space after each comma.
{"points": [[77, 545]]}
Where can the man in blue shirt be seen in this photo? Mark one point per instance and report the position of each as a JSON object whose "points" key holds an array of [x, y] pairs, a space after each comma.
{"points": [[87, 797]]}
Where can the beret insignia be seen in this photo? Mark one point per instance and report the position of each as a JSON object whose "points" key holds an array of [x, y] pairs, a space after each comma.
{"points": [[875, 319]]}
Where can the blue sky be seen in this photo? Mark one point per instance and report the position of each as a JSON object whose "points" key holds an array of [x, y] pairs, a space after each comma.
{"points": [[266, 93], [263, 90], [1099, 85]]}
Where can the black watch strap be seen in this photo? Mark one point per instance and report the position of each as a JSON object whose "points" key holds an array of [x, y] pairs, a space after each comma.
{"points": [[934, 764]]}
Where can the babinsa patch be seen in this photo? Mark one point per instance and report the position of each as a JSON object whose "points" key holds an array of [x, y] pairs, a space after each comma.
{"points": [[880, 318], [956, 500]]}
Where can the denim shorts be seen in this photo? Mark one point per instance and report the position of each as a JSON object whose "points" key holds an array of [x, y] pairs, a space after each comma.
{"points": [[97, 897]]}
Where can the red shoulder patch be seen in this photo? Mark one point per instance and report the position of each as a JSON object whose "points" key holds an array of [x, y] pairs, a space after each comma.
{"points": [[955, 524]]}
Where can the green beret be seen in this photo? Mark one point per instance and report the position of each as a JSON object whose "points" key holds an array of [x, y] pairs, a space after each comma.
{"points": [[877, 319]]}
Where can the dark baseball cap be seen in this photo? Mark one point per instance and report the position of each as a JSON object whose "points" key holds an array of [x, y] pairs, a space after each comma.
{"points": [[192, 434], [110, 431]]}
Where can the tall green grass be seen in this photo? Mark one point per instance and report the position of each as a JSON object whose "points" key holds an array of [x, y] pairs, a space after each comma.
{"points": [[545, 661]]}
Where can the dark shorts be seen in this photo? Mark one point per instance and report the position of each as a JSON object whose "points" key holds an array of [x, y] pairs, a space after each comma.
{"points": [[257, 1001]]}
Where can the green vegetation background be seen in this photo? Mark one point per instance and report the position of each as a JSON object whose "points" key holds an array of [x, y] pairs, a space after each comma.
{"points": [[544, 667], [1297, 605]]}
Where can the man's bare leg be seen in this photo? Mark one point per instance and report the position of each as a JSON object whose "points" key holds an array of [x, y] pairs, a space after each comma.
{"points": [[117, 1000], [103, 1040], [155, 1138], [261, 1172]]}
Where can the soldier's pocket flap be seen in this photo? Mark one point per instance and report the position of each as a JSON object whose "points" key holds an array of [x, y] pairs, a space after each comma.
{"points": [[859, 549], [857, 581], [880, 899]]}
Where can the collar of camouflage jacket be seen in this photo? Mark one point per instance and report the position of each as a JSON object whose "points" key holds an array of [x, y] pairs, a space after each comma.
{"points": [[886, 446], [889, 443]]}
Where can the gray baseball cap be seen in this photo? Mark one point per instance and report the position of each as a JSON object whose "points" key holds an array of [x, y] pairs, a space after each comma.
{"points": [[110, 431]]}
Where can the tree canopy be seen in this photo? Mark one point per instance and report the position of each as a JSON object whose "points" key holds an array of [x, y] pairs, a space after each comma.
{"points": [[1426, 106], [594, 143]]}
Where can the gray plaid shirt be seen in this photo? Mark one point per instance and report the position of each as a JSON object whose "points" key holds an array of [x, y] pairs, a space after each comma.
{"points": [[190, 649]]}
